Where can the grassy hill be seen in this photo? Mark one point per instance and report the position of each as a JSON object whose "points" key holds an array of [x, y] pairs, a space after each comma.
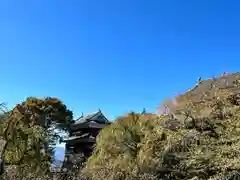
{"points": [[207, 89], [203, 94]]}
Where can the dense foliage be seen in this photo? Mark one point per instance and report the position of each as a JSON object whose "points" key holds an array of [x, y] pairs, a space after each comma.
{"points": [[140, 147], [195, 136], [199, 138], [29, 131]]}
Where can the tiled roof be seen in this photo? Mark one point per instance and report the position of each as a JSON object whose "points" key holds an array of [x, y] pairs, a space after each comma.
{"points": [[86, 118], [91, 117]]}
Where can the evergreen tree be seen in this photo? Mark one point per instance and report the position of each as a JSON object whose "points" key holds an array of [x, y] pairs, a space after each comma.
{"points": [[144, 111]]}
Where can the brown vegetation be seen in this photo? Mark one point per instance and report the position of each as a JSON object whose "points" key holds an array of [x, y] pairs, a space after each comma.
{"points": [[197, 139]]}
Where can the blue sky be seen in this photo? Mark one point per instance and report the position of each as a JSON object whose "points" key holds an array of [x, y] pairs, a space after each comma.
{"points": [[116, 55]]}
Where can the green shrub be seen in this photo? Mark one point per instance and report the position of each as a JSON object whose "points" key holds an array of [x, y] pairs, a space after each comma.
{"points": [[142, 147]]}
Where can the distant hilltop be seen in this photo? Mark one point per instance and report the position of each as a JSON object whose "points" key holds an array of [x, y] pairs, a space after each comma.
{"points": [[204, 91]]}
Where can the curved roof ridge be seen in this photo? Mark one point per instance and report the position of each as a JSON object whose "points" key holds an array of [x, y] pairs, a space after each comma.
{"points": [[89, 117]]}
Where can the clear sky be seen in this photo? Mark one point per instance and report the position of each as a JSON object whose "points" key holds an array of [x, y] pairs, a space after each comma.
{"points": [[117, 55]]}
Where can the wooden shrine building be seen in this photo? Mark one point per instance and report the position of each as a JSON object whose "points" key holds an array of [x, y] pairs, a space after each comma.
{"points": [[82, 138]]}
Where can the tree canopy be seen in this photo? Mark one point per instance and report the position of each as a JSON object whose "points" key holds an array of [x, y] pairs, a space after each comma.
{"points": [[29, 131]]}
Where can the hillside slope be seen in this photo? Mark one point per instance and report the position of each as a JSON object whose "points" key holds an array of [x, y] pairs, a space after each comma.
{"points": [[202, 94], [206, 89], [200, 140]]}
